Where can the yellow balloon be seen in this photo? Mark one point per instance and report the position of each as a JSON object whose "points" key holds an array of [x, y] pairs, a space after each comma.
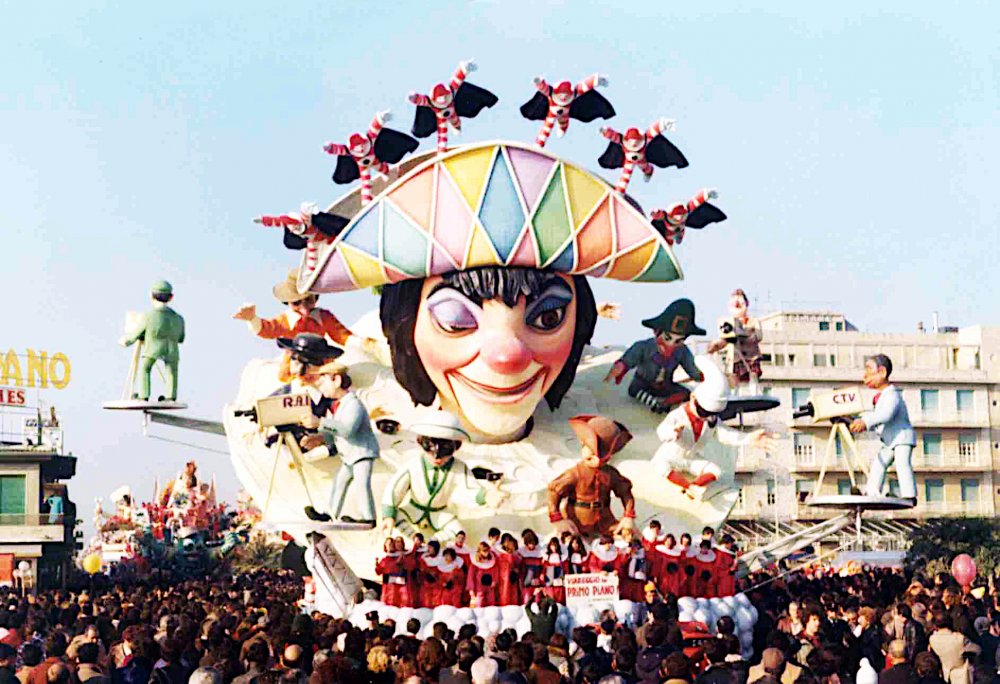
{"points": [[92, 564]]}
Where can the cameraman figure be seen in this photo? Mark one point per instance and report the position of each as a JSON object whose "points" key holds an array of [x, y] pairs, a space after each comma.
{"points": [[890, 419]]}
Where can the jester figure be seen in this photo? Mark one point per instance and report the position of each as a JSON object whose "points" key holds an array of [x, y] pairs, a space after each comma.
{"points": [[161, 330], [302, 225], [645, 150], [555, 105], [375, 148], [696, 213], [447, 104]]}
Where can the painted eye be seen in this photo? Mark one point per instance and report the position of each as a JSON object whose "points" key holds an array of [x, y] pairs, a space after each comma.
{"points": [[452, 314], [549, 311]]}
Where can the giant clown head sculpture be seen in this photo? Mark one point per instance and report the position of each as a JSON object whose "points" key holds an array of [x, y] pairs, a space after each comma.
{"points": [[484, 255]]}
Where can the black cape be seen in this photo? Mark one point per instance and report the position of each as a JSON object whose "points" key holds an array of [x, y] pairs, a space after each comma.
{"points": [[390, 146], [468, 102], [659, 152], [587, 107]]}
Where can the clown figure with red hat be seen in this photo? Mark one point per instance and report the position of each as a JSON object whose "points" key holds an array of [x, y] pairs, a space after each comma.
{"points": [[586, 488], [691, 427]]}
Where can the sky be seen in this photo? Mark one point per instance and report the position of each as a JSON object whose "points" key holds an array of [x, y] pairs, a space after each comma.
{"points": [[853, 144]]}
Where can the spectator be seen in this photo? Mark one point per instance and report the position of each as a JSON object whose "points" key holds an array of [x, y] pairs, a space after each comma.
{"points": [[485, 671], [518, 665], [542, 613], [257, 659], [8, 658], [899, 670], [599, 661], [773, 664], [31, 655], [718, 670], [951, 647], [87, 668], [928, 668], [676, 669], [55, 647], [205, 675], [542, 670]]}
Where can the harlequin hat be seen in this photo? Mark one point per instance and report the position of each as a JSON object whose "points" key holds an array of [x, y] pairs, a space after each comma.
{"points": [[487, 204], [677, 318], [603, 436]]}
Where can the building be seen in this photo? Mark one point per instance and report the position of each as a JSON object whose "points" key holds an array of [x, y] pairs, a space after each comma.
{"points": [[36, 541], [951, 384]]}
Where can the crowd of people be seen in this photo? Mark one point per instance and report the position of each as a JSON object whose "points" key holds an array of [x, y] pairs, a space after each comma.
{"points": [[500, 571], [873, 627]]}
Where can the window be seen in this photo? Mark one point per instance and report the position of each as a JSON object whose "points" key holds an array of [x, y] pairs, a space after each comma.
{"points": [[843, 486], [11, 498], [771, 497], [970, 489], [740, 498], [928, 400], [800, 396], [824, 325], [932, 444], [894, 488], [833, 360], [791, 359], [803, 488], [819, 360], [779, 359], [934, 491], [967, 447], [766, 391], [803, 447], [965, 400], [840, 325], [840, 447]]}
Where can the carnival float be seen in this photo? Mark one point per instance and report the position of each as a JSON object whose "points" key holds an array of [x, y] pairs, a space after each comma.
{"points": [[473, 396]]}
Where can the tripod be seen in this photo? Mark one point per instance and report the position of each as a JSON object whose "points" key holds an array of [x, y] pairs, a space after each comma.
{"points": [[852, 457]]}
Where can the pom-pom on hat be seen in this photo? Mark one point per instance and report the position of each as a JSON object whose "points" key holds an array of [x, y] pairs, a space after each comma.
{"points": [[487, 204]]}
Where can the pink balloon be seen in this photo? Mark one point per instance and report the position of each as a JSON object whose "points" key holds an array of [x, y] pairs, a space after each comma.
{"points": [[963, 569]]}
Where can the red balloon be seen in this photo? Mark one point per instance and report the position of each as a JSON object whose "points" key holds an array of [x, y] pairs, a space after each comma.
{"points": [[963, 569]]}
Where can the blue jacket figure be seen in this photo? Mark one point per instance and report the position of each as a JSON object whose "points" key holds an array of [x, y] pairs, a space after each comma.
{"points": [[346, 427], [656, 359], [890, 419]]}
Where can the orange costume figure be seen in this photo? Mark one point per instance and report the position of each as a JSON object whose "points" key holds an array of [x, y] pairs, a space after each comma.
{"points": [[302, 316], [586, 488]]}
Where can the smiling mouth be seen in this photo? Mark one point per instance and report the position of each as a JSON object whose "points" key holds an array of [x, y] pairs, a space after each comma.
{"points": [[500, 395]]}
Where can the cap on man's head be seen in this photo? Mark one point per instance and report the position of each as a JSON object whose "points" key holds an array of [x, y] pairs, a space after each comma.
{"points": [[162, 287]]}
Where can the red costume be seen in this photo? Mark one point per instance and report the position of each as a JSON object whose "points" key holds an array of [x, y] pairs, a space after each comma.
{"points": [[508, 579], [554, 565], [632, 574], [671, 579], [395, 588], [481, 581], [706, 574], [726, 571], [451, 577], [532, 572], [430, 580], [603, 559]]}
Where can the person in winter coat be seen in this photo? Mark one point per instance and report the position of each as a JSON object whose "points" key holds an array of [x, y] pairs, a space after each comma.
{"points": [[542, 613], [718, 670], [648, 662]]}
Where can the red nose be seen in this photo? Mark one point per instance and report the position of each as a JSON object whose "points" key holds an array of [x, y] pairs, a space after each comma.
{"points": [[506, 355]]}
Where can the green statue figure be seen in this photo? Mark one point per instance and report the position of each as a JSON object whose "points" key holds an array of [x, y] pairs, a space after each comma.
{"points": [[161, 331]]}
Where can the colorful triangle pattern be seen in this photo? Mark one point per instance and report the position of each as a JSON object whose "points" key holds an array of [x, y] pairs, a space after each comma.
{"points": [[496, 205]]}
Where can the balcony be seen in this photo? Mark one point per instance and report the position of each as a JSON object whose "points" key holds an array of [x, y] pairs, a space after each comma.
{"points": [[933, 509], [31, 528], [940, 418]]}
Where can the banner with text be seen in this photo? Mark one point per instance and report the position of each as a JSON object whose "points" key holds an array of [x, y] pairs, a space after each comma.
{"points": [[591, 587]]}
